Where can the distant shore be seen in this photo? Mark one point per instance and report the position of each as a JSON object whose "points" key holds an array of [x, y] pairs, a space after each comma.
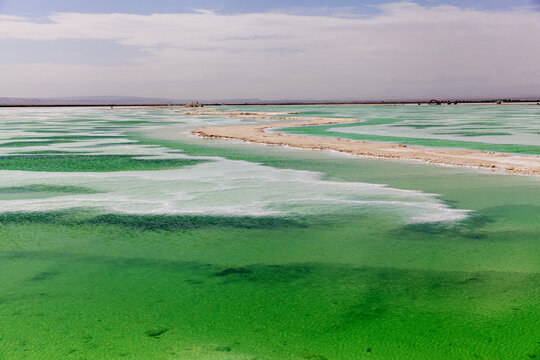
{"points": [[278, 103], [493, 161]]}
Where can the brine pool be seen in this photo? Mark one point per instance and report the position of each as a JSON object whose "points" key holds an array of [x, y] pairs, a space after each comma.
{"points": [[122, 236], [502, 128]]}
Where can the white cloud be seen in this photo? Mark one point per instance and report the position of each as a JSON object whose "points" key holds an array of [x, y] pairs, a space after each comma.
{"points": [[11, 18], [407, 49]]}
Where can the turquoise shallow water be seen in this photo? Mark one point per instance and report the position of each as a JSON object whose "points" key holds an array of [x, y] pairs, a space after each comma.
{"points": [[197, 249]]}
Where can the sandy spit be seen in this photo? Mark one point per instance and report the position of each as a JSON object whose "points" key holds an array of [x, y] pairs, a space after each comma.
{"points": [[496, 162]]}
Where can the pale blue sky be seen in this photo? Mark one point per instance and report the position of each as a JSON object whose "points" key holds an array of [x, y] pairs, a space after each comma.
{"points": [[41, 8], [312, 49]]}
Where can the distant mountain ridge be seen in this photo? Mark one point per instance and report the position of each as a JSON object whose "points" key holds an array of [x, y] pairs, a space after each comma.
{"points": [[134, 100], [110, 100]]}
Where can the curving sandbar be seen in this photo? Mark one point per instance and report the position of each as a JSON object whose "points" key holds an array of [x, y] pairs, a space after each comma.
{"points": [[497, 162]]}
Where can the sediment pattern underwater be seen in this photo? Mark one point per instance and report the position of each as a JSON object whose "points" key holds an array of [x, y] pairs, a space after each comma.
{"points": [[123, 236]]}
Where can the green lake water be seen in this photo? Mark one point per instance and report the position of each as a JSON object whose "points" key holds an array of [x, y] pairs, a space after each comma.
{"points": [[118, 243]]}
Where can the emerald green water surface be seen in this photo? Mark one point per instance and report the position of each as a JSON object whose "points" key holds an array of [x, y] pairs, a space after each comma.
{"points": [[126, 259]]}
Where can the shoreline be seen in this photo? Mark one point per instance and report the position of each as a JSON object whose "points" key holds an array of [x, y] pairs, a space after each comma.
{"points": [[269, 103], [261, 133]]}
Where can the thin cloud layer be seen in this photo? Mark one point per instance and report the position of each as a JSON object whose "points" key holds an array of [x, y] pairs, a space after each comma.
{"points": [[405, 51]]}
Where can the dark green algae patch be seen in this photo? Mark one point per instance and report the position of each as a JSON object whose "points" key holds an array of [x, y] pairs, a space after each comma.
{"points": [[41, 191], [46, 189], [17, 144], [76, 217], [90, 163], [69, 138]]}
